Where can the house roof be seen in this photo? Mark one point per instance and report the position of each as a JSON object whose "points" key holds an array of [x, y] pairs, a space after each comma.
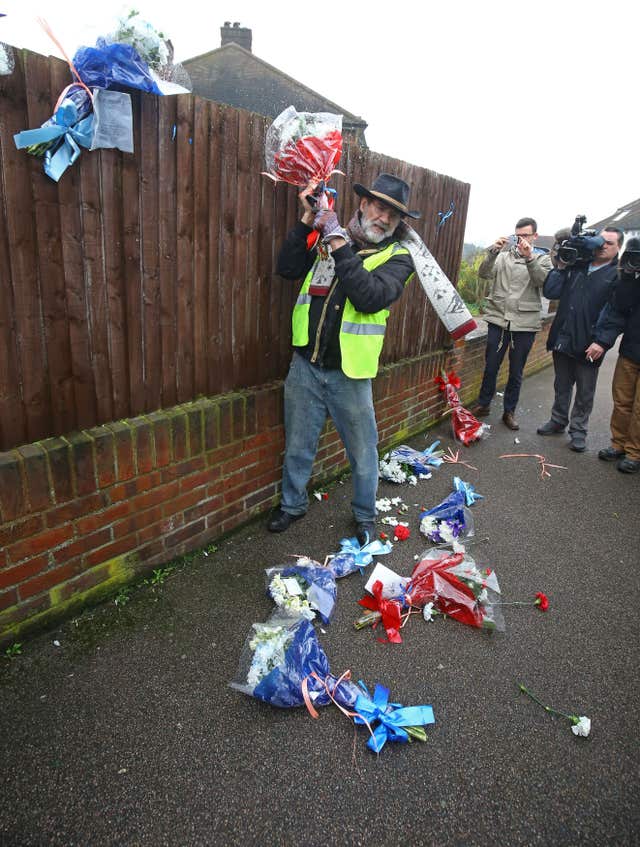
{"points": [[626, 217], [231, 74]]}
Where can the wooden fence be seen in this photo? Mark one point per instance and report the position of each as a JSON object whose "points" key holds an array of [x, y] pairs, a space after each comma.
{"points": [[142, 281]]}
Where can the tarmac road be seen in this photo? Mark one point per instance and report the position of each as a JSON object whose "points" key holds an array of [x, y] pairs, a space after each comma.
{"points": [[127, 733]]}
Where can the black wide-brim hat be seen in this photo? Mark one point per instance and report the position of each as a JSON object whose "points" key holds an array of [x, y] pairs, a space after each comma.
{"points": [[391, 190]]}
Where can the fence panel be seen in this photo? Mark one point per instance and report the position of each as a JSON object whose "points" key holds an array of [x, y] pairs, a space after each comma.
{"points": [[143, 280]]}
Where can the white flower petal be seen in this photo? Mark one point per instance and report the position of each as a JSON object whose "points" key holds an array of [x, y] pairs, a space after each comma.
{"points": [[583, 727]]}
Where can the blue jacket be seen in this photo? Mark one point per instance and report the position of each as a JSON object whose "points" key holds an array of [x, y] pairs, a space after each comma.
{"points": [[622, 314], [582, 297]]}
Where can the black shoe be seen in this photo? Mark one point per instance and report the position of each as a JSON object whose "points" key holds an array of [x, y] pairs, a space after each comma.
{"points": [[280, 520], [610, 454], [550, 428], [365, 533], [629, 465], [578, 445]]}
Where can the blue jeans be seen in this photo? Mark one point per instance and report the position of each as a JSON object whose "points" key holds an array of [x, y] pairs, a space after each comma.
{"points": [[518, 344], [310, 394]]}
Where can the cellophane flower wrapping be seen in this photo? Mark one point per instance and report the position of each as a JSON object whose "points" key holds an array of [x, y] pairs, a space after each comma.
{"points": [[317, 587], [457, 587], [301, 146], [420, 463], [466, 428], [278, 655], [449, 521]]}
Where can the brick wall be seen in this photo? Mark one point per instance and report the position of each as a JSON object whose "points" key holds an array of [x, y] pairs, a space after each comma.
{"points": [[84, 514]]}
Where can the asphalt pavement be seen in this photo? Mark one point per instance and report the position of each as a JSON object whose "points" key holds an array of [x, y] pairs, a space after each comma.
{"points": [[119, 727]]}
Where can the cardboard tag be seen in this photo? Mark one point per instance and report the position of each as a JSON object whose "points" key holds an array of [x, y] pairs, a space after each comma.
{"points": [[392, 583], [292, 585]]}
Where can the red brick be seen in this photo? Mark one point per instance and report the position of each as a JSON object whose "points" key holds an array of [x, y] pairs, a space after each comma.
{"points": [[40, 543], [203, 509], [225, 426], [104, 518], [105, 453], [142, 435], [48, 579], [125, 462], [178, 421], [184, 533], [215, 457], [27, 610], [194, 420], [161, 529], [152, 550], [13, 501], [260, 440], [8, 598], [244, 460], [12, 576], [3, 558], [82, 463], [161, 437], [211, 437], [34, 463], [58, 455], [16, 530], [183, 468], [82, 583], [269, 408], [265, 495], [137, 521], [82, 545], [103, 554], [238, 416], [75, 509], [179, 504], [157, 495], [129, 489], [194, 480]]}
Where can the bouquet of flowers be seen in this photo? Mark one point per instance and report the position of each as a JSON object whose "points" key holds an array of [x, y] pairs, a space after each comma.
{"points": [[449, 521], [353, 557], [284, 665], [301, 146], [456, 587], [404, 464], [466, 427], [302, 589]]}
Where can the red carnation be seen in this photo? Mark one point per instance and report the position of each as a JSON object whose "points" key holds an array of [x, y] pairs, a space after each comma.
{"points": [[325, 496], [401, 533], [383, 536], [542, 601]]}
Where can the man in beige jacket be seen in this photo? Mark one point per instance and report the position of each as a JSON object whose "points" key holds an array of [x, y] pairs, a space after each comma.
{"points": [[517, 271]]}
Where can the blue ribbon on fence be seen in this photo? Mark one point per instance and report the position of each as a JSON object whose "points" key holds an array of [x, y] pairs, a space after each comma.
{"points": [[444, 216]]}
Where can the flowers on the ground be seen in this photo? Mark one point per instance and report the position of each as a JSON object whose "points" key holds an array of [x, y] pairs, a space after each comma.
{"points": [[321, 495], [449, 520], [428, 613], [394, 471], [386, 504], [401, 532], [541, 601], [289, 594], [268, 645], [580, 725]]}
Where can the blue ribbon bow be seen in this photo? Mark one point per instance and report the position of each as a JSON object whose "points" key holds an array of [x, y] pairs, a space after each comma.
{"points": [[431, 457], [363, 555], [470, 494], [390, 717], [444, 216], [64, 124]]}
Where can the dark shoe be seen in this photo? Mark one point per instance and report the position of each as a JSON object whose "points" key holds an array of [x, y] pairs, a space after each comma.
{"points": [[280, 520], [578, 445], [509, 421], [629, 465], [365, 533], [480, 411], [550, 428], [610, 454]]}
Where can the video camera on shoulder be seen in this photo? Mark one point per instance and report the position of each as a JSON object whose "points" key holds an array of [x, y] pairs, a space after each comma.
{"points": [[581, 247], [630, 259]]}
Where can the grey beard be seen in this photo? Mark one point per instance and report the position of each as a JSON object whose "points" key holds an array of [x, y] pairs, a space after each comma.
{"points": [[373, 235]]}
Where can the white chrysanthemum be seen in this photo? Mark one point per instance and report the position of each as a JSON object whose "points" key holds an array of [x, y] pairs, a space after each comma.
{"points": [[582, 727]]}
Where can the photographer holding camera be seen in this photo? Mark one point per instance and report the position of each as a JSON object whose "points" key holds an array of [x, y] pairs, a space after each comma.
{"points": [[583, 282], [512, 312], [622, 314]]}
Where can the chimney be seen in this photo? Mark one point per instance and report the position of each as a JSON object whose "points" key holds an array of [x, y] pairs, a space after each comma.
{"points": [[235, 34]]}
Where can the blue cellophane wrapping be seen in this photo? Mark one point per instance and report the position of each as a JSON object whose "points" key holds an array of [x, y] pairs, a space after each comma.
{"points": [[418, 461], [116, 66], [322, 590], [453, 508]]}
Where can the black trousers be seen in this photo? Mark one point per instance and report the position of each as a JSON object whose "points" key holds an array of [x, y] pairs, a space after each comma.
{"points": [[518, 344]]}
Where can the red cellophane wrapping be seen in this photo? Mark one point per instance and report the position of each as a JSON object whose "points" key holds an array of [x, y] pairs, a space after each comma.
{"points": [[301, 146], [466, 427], [433, 582]]}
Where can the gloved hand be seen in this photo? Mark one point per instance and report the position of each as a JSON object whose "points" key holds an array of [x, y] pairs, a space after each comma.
{"points": [[328, 225]]}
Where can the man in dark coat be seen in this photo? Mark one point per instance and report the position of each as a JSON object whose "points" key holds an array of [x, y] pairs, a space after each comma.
{"points": [[622, 314], [583, 289]]}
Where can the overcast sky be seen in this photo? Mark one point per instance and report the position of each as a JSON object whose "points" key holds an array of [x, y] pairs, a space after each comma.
{"points": [[528, 102]]}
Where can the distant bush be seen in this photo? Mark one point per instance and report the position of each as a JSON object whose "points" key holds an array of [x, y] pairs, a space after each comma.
{"points": [[472, 289]]}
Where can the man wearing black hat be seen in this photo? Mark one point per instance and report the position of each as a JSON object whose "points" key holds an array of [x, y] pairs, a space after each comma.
{"points": [[350, 278]]}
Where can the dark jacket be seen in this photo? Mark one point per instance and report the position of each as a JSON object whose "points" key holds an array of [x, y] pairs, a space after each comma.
{"points": [[582, 297], [369, 292], [622, 314]]}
